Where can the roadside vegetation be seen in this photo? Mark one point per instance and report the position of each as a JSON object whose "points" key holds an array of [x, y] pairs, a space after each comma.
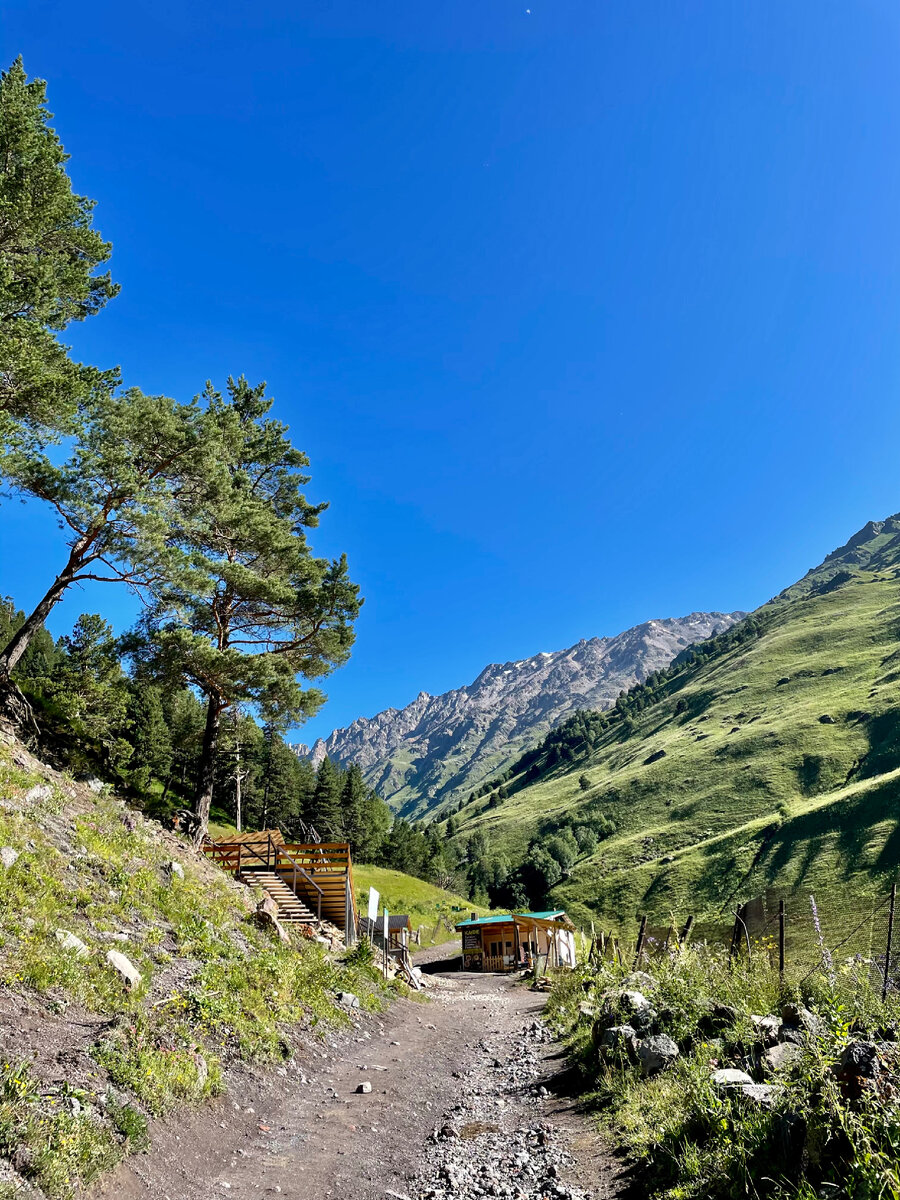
{"points": [[719, 1081]]}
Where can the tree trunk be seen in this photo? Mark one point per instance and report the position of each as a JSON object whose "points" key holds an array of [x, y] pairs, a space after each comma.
{"points": [[207, 771], [18, 643]]}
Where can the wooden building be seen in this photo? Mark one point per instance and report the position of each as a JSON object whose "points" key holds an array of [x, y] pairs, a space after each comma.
{"points": [[509, 941], [374, 930]]}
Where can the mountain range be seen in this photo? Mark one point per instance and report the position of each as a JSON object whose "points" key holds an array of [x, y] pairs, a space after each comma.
{"points": [[439, 748], [765, 760]]}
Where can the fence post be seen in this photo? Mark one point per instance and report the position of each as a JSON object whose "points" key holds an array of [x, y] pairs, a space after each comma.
{"points": [[686, 932], [640, 940], [736, 932], [890, 938], [781, 938]]}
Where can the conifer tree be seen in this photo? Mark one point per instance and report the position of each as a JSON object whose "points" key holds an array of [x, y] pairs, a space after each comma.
{"points": [[112, 496], [49, 255], [326, 812], [258, 612], [149, 736]]}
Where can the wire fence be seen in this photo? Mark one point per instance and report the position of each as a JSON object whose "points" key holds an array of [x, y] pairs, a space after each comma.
{"points": [[791, 935]]}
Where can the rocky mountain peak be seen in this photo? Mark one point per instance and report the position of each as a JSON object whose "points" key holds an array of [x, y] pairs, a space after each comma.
{"points": [[438, 748]]}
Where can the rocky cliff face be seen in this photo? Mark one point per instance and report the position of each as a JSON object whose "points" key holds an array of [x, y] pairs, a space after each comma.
{"points": [[439, 748]]}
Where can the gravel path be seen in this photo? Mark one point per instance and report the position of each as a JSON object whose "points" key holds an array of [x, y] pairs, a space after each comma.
{"points": [[462, 1105]]}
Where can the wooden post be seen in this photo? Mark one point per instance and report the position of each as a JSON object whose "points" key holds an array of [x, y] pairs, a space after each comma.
{"points": [[640, 940], [686, 932], [890, 939], [781, 938], [735, 933]]}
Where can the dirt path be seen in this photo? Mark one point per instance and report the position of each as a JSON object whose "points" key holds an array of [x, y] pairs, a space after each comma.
{"points": [[462, 1104]]}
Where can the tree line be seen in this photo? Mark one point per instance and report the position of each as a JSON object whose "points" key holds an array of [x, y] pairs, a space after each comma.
{"points": [[197, 506]]}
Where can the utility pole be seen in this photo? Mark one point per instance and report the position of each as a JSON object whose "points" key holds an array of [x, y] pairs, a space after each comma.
{"points": [[238, 774]]}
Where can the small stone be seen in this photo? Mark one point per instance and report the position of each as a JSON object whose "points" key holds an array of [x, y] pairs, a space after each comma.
{"points": [[8, 856], [364, 1089], [727, 1077], [656, 1053], [782, 1056], [69, 941], [762, 1094], [348, 999], [124, 967], [768, 1029], [176, 870]]}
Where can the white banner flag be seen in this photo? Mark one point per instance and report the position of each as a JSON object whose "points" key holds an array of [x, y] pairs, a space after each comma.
{"points": [[385, 927], [374, 897]]}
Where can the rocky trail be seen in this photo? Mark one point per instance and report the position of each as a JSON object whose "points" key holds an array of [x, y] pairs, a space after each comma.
{"points": [[464, 1100]]}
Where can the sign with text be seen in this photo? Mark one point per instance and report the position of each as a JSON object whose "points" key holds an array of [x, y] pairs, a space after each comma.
{"points": [[471, 940]]}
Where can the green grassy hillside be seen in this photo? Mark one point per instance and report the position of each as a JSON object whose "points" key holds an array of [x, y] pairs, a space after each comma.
{"points": [[769, 762], [436, 910]]}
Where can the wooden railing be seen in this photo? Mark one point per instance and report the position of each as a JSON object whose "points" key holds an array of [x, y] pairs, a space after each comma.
{"points": [[321, 873]]}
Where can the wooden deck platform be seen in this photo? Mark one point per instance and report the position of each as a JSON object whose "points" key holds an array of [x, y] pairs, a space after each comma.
{"points": [[310, 882]]}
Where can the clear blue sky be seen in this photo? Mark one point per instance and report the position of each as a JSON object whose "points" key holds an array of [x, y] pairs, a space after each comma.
{"points": [[584, 315]]}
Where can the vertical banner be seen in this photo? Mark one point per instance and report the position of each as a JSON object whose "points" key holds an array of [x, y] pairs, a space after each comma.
{"points": [[374, 897], [386, 925]]}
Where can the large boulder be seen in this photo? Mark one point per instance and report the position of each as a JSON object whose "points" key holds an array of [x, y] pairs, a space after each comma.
{"points": [[656, 1053]]}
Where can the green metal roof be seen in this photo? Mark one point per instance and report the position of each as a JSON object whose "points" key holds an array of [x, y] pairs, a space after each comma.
{"points": [[508, 918]]}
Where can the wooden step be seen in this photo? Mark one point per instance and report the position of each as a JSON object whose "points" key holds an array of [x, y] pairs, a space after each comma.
{"points": [[290, 907]]}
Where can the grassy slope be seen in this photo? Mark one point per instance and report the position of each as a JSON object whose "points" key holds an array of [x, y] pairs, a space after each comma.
{"points": [[216, 990], [753, 790], [424, 902]]}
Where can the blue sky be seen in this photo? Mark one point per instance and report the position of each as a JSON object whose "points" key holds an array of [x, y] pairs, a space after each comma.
{"points": [[584, 315]]}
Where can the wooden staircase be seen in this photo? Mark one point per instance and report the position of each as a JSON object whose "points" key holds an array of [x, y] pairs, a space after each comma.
{"points": [[291, 908], [311, 882]]}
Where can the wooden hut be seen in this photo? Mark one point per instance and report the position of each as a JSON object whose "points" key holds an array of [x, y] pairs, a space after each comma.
{"points": [[507, 941], [374, 930]]}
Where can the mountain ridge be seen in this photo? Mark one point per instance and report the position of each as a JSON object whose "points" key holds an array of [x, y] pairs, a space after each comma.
{"points": [[438, 747], [768, 759]]}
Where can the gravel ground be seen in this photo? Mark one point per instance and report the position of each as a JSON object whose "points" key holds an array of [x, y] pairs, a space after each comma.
{"points": [[464, 1102]]}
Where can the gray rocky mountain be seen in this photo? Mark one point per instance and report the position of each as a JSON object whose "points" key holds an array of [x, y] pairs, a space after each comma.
{"points": [[438, 748]]}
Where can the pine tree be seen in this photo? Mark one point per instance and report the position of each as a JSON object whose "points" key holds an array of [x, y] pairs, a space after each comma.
{"points": [[149, 735], [259, 612], [113, 496], [326, 813], [90, 690], [49, 255]]}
